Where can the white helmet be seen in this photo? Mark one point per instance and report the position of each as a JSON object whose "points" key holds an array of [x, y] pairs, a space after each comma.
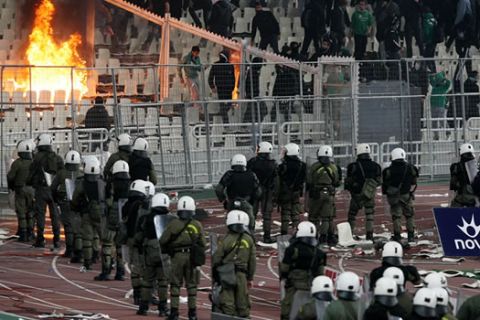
{"points": [[237, 222], [424, 303], [466, 148], [322, 288], [91, 168], [150, 188], [239, 160], [24, 146], [124, 139], [160, 200], [397, 275], [435, 280], [186, 207], [140, 144], [362, 148], [392, 253], [44, 139], [72, 157], [292, 149], [347, 286], [139, 187], [265, 147], [385, 292], [325, 151], [306, 229], [442, 301], [397, 154], [120, 166], [90, 159]]}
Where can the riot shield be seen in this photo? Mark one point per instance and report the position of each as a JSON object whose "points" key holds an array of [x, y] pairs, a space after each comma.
{"points": [[300, 298], [320, 307], [362, 303], [70, 188], [283, 242], [161, 221]]}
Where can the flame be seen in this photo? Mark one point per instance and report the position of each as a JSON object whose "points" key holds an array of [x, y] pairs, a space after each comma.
{"points": [[44, 50]]}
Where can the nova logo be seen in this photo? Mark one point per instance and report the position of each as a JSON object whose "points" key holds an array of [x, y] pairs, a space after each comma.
{"points": [[471, 230]]}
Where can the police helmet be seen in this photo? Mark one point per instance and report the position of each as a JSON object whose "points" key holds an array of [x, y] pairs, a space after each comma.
{"points": [[44, 139], [236, 221], [347, 286], [24, 149], [442, 301], [362, 148], [91, 170], [72, 160], [397, 275], [150, 189], [436, 280], [392, 253], [138, 188], [186, 207], [322, 288], [140, 144], [292, 149], [160, 200], [265, 147], [121, 170], [425, 302], [325, 151], [398, 154], [239, 160], [385, 292], [124, 142], [466, 148], [307, 233]]}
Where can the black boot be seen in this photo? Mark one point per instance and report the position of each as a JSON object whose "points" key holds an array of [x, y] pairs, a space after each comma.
{"points": [[56, 241], [322, 239], [142, 308], [136, 296], [76, 256], [94, 256], [268, 239], [30, 234], [369, 236], [120, 274], [39, 243], [332, 239], [396, 237], [173, 314], [87, 264], [162, 309], [68, 252], [192, 314], [22, 235], [104, 276], [411, 237]]}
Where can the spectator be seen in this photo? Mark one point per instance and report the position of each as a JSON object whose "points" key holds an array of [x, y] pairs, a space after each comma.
{"points": [[362, 22], [204, 5], [222, 82], [338, 20], [471, 101], [221, 19], [430, 33], [313, 21], [252, 90], [326, 48], [97, 118], [438, 101], [192, 66], [268, 27], [384, 13], [412, 11], [392, 40]]}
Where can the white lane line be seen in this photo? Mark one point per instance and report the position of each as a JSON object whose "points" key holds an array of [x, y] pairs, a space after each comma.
{"points": [[270, 267]]}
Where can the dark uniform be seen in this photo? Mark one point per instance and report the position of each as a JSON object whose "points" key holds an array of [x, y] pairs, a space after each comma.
{"points": [[177, 239], [120, 155], [266, 171], [470, 309], [291, 173], [322, 180], [460, 183], [398, 180], [342, 310], [240, 189], [378, 311], [141, 167], [363, 176], [16, 180], [410, 273], [238, 249], [45, 160], [302, 262]]}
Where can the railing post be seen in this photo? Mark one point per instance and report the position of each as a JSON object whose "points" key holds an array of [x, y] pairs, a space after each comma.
{"points": [[117, 110], [73, 113], [207, 129], [402, 122], [31, 100], [2, 146], [302, 105], [160, 142]]}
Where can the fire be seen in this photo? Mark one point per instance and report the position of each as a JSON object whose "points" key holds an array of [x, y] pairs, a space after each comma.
{"points": [[44, 50]]}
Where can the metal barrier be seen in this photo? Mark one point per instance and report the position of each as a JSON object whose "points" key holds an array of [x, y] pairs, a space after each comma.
{"points": [[193, 134]]}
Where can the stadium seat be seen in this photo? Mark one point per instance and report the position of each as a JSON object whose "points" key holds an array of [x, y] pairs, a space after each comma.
{"points": [[249, 13]]}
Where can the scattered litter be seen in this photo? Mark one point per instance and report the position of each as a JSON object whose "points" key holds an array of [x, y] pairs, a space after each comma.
{"points": [[458, 260], [83, 269], [305, 214], [183, 299], [87, 316], [268, 245], [345, 237], [8, 237], [444, 205], [277, 223], [473, 285], [428, 255], [4, 231], [261, 283], [128, 294]]}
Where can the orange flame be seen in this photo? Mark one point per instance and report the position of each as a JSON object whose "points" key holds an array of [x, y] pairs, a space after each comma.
{"points": [[44, 50]]}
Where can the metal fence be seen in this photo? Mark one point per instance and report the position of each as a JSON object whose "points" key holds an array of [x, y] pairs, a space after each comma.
{"points": [[195, 126]]}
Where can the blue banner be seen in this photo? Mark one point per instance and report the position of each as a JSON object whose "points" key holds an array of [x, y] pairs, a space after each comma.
{"points": [[459, 230]]}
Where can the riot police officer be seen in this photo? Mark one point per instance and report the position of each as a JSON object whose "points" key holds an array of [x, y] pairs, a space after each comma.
{"points": [[17, 180], [156, 270], [63, 187], [265, 169], [89, 201], [323, 177], [239, 188], [302, 262], [363, 178], [45, 165], [404, 297], [116, 195], [237, 248], [141, 166], [346, 306], [398, 180], [322, 295], [292, 173], [123, 153], [424, 305], [459, 178], [184, 240], [385, 303]]}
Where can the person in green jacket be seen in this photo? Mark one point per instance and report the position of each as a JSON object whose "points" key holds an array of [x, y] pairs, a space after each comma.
{"points": [[17, 180], [237, 247], [362, 23], [404, 297], [438, 101], [429, 31], [346, 306], [322, 295], [444, 312], [470, 309], [178, 239]]}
